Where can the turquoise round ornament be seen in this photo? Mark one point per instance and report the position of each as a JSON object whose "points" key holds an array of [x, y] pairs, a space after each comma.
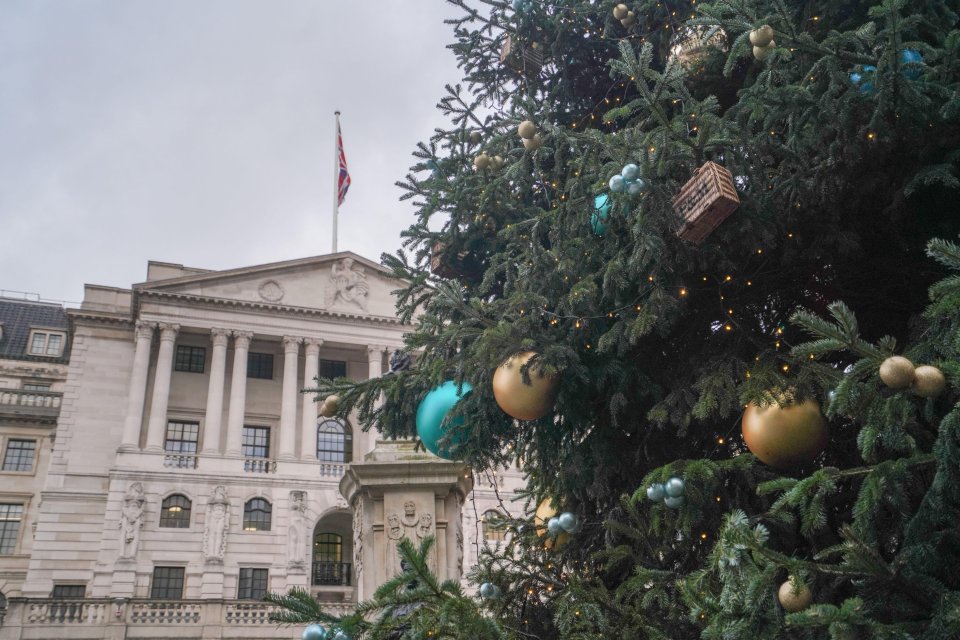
{"points": [[617, 184], [569, 522], [674, 502], [431, 413], [655, 492], [489, 590], [913, 59], [340, 635], [601, 213], [553, 526], [630, 171], [869, 71], [674, 487], [314, 632], [635, 187]]}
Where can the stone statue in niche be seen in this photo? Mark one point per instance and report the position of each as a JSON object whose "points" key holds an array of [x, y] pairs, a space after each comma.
{"points": [[215, 533], [131, 521], [295, 544], [348, 283]]}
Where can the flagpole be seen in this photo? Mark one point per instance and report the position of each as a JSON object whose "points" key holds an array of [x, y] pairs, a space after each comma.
{"points": [[336, 175]]}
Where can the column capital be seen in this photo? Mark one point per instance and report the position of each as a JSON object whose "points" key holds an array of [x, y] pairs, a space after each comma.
{"points": [[168, 331], [291, 344], [375, 350], [144, 329], [219, 336], [313, 345], [242, 338]]}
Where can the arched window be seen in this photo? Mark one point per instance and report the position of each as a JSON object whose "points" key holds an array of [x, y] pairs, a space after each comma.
{"points": [[493, 529], [334, 441], [256, 515], [175, 512]]}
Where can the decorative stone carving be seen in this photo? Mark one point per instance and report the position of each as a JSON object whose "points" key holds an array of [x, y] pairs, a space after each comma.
{"points": [[407, 526], [144, 329], [270, 291], [131, 521], [215, 532], [348, 284], [295, 543], [358, 536]]}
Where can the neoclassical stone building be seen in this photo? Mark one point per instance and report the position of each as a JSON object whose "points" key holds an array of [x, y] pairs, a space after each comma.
{"points": [[188, 475]]}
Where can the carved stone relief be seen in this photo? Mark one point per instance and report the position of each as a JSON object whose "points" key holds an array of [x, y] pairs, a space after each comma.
{"points": [[348, 284], [270, 291], [131, 521]]}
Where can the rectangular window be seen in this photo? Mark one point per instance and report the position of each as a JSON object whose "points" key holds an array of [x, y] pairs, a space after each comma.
{"points": [[46, 343], [19, 455], [182, 437], [35, 386], [260, 365], [167, 583], [333, 369], [10, 517], [256, 442], [190, 359], [69, 591], [253, 584]]}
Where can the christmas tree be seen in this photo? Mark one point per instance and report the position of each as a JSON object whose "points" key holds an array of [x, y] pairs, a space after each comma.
{"points": [[752, 419]]}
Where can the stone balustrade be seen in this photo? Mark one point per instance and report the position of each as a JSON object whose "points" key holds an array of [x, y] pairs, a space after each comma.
{"points": [[166, 612], [248, 613], [259, 465], [180, 461], [37, 405], [332, 469], [72, 611]]}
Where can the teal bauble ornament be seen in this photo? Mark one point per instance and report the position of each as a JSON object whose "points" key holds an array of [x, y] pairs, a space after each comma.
{"points": [[912, 60], [601, 213], [489, 590], [869, 73], [617, 184], [314, 632], [340, 635], [569, 522], [630, 171], [655, 492], [637, 186], [433, 411], [673, 487], [553, 526], [674, 502], [522, 6]]}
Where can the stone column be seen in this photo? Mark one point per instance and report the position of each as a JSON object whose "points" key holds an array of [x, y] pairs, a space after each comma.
{"points": [[374, 370], [238, 392], [308, 419], [138, 386], [214, 415], [157, 427], [288, 402]]}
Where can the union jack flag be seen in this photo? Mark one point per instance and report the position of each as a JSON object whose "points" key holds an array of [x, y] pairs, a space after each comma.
{"points": [[343, 182]]}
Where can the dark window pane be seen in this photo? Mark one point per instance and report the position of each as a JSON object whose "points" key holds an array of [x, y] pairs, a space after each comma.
{"points": [[167, 583], [69, 591], [327, 547], [175, 512], [256, 442], [333, 369], [19, 455], [493, 529], [10, 516], [260, 365], [256, 515], [334, 441], [182, 437], [191, 359], [253, 584], [35, 386]]}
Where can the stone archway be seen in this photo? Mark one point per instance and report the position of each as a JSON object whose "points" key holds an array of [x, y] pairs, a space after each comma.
{"points": [[332, 550]]}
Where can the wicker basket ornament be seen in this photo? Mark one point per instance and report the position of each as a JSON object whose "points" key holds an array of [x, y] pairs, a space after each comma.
{"points": [[706, 200]]}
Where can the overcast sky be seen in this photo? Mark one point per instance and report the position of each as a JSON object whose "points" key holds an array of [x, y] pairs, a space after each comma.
{"points": [[201, 131]]}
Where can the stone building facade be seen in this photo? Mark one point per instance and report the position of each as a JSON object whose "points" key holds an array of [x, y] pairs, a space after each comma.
{"points": [[179, 473]]}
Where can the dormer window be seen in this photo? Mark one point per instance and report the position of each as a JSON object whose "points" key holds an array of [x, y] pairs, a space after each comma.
{"points": [[46, 343]]}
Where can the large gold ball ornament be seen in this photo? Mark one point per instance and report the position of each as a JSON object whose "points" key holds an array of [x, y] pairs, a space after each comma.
{"points": [[629, 20], [532, 144], [482, 161], [762, 53], [547, 509], [784, 437], [897, 372], [792, 601], [620, 11], [761, 36], [928, 381], [497, 162], [527, 129], [517, 399]]}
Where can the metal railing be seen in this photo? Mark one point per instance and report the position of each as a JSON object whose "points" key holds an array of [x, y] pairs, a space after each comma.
{"points": [[331, 574]]}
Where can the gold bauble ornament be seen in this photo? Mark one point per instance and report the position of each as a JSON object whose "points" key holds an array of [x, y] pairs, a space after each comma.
{"points": [[629, 20], [928, 381], [897, 372], [517, 399], [761, 36], [791, 601], [532, 144], [326, 411], [620, 11], [557, 543], [475, 137], [527, 129], [784, 437], [497, 162], [762, 53], [547, 509], [482, 161]]}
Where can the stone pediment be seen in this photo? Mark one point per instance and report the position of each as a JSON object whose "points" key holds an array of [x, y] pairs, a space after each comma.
{"points": [[343, 283]]}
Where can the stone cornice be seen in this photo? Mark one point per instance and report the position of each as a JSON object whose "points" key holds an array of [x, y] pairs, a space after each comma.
{"points": [[99, 317], [273, 308]]}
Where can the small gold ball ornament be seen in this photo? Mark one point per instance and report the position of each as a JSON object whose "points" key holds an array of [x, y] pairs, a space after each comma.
{"points": [[928, 381], [481, 162], [897, 372], [532, 144], [762, 53], [497, 162], [620, 11], [629, 20], [784, 437], [761, 36], [794, 601], [527, 129], [517, 399], [475, 137]]}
